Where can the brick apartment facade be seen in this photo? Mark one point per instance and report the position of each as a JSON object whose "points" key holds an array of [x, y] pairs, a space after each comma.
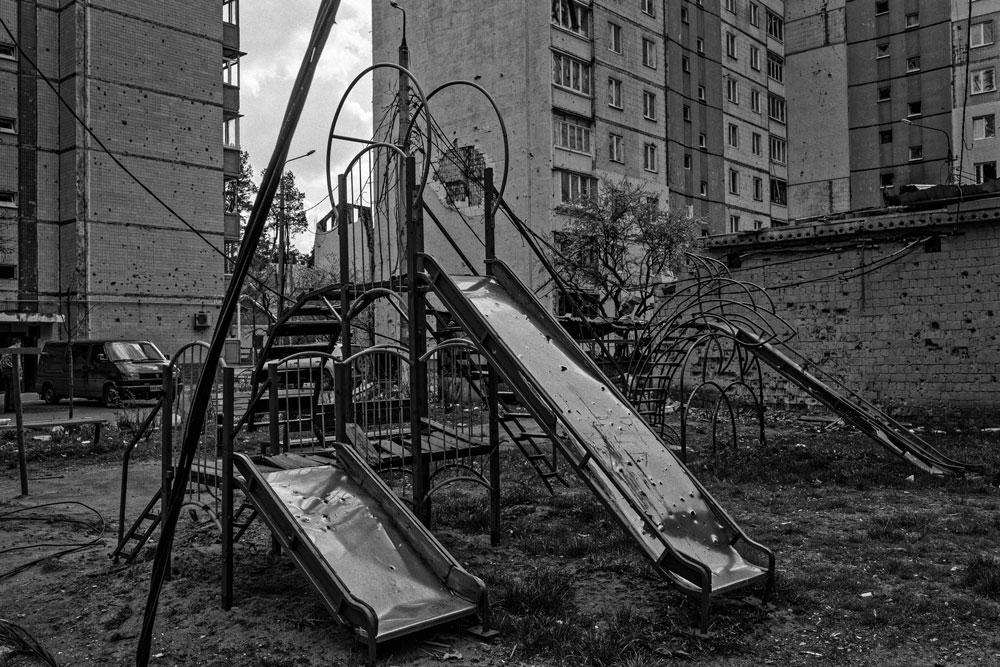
{"points": [[672, 95], [145, 77]]}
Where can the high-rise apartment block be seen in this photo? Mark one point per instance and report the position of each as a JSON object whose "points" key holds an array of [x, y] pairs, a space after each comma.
{"points": [[685, 98], [887, 93], [101, 101]]}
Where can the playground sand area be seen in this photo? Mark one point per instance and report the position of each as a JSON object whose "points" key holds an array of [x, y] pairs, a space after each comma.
{"points": [[877, 563]]}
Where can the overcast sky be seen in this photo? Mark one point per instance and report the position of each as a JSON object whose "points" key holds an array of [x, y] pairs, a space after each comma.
{"points": [[274, 35]]}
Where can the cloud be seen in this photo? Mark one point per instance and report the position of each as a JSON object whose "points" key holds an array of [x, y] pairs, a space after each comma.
{"points": [[274, 36]]}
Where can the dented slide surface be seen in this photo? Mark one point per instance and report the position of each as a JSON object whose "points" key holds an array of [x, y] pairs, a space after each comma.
{"points": [[671, 516], [374, 565]]}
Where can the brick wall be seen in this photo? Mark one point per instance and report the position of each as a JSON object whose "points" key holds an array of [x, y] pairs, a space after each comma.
{"points": [[916, 331]]}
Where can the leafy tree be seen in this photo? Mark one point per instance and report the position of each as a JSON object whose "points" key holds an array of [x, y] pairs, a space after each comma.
{"points": [[618, 246]]}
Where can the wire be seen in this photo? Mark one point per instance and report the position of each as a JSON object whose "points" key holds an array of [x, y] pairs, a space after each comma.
{"points": [[859, 270], [21, 641], [73, 546]]}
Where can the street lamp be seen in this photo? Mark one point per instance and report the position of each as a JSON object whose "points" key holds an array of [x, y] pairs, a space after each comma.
{"points": [[947, 136], [283, 232]]}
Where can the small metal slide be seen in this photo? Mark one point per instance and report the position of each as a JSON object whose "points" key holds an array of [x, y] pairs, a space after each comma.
{"points": [[374, 565], [852, 408], [679, 526]]}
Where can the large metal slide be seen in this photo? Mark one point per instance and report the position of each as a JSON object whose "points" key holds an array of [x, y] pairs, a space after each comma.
{"points": [[674, 520], [373, 564], [852, 408]]}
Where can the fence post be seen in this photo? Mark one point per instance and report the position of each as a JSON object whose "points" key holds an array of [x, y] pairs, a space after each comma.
{"points": [[228, 404]]}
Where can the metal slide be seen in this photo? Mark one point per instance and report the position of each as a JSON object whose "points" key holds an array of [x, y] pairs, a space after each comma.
{"points": [[852, 408], [375, 566], [675, 521]]}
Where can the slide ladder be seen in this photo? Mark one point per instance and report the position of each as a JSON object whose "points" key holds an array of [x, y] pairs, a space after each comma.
{"points": [[859, 413], [674, 520], [376, 568]]}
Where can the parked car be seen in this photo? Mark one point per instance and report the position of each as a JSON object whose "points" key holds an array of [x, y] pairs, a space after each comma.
{"points": [[104, 370], [301, 371]]}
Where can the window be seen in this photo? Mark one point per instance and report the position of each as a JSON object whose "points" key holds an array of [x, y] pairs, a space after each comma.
{"points": [[8, 199], [568, 72], [702, 141], [885, 137], [758, 188], [614, 37], [986, 171], [616, 148], [756, 142], [8, 52], [701, 93], [8, 125], [686, 113], [685, 64], [913, 20], [779, 192], [755, 100], [775, 67], [779, 149], [231, 133], [733, 91], [755, 14], [648, 7], [731, 45], [573, 16], [649, 53], [231, 72], [574, 187], [649, 157], [776, 108], [881, 7], [758, 224], [703, 189], [699, 45], [982, 81], [648, 105], [883, 94], [230, 12], [984, 127], [684, 14], [882, 50], [731, 6], [913, 109], [981, 34], [775, 26], [734, 182], [687, 160], [916, 153], [913, 64], [734, 224], [755, 58], [886, 180], [733, 135], [614, 93], [572, 133]]}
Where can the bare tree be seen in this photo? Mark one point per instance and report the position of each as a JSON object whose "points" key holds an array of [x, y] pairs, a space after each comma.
{"points": [[618, 246]]}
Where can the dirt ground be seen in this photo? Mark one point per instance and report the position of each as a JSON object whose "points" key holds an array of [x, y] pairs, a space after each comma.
{"points": [[874, 567]]}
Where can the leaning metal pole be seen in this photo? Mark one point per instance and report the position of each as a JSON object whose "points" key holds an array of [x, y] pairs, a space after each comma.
{"points": [[196, 420]]}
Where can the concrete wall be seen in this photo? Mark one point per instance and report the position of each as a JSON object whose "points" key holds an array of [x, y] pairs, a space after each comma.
{"points": [[917, 332]]}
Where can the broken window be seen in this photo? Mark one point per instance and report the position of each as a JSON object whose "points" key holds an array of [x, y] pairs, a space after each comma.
{"points": [[460, 169]]}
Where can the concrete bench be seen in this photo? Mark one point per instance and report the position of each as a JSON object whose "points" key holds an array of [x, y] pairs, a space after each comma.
{"points": [[96, 422]]}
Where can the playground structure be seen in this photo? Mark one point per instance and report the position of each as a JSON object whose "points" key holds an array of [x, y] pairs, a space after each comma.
{"points": [[435, 373]]}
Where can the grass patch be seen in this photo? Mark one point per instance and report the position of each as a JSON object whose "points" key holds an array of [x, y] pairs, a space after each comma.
{"points": [[982, 574]]}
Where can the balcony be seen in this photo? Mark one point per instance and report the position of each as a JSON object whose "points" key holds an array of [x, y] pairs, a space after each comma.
{"points": [[231, 226], [230, 100], [230, 162]]}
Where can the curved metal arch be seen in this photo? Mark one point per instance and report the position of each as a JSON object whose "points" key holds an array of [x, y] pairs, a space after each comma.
{"points": [[394, 350], [754, 398], [190, 346], [448, 344], [503, 130], [475, 478], [687, 408], [340, 107]]}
